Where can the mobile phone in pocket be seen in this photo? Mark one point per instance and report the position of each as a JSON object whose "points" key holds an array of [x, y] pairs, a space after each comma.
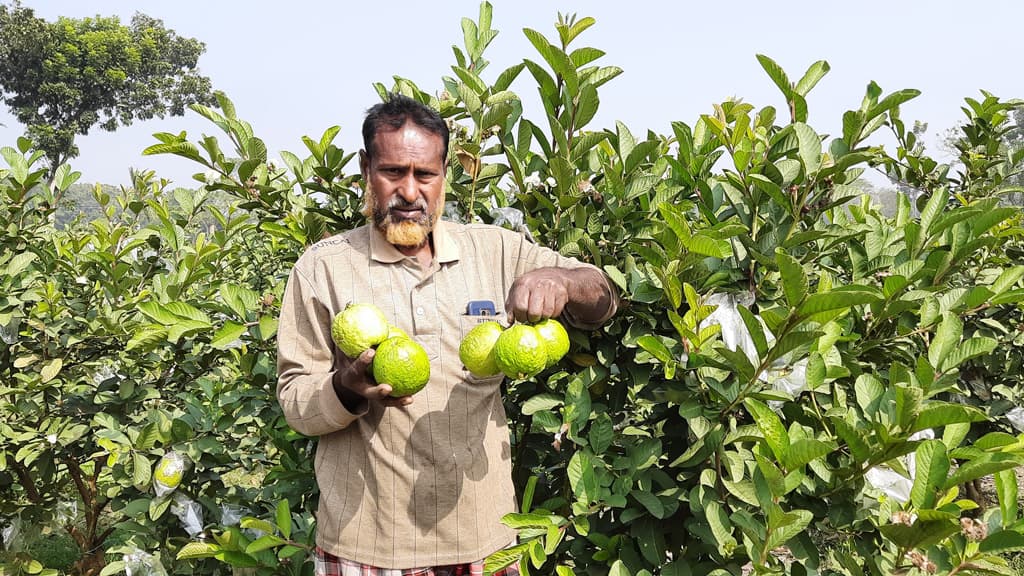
{"points": [[480, 308]]}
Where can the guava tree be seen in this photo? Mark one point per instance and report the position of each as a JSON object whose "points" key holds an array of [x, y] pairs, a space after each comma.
{"points": [[60, 79], [111, 361], [785, 346]]}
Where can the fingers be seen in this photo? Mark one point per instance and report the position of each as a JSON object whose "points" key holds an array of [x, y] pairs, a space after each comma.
{"points": [[548, 304], [532, 299], [359, 379], [541, 304], [396, 402], [364, 361], [382, 393]]}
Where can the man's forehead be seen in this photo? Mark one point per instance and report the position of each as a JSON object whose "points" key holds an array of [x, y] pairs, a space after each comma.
{"points": [[408, 137]]}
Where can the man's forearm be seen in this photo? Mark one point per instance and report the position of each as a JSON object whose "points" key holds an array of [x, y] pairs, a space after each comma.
{"points": [[592, 299]]}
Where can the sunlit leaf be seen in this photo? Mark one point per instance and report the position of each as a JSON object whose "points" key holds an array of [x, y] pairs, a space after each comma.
{"points": [[811, 77], [837, 299], [932, 469], [938, 415], [51, 370], [283, 517], [777, 74], [804, 450], [980, 467], [771, 427], [810, 147], [141, 471], [227, 335], [194, 550], [655, 347], [545, 401], [794, 280], [970, 348], [264, 542], [793, 523], [1007, 493], [947, 337], [1002, 542]]}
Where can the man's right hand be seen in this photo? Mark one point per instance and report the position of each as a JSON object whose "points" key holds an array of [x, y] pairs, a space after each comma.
{"points": [[354, 383]]}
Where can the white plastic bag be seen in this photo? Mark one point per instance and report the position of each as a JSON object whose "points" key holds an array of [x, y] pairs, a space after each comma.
{"points": [[169, 471], [512, 219], [189, 512], [139, 563], [10, 535], [785, 374], [1016, 417], [734, 332], [893, 484]]}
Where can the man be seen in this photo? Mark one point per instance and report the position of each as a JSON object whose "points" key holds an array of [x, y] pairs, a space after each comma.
{"points": [[416, 484]]}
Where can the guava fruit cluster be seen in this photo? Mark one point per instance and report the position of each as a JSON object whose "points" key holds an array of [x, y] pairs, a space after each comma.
{"points": [[519, 351], [399, 361]]}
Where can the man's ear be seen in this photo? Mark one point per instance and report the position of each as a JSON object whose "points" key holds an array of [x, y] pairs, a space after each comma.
{"points": [[364, 163]]}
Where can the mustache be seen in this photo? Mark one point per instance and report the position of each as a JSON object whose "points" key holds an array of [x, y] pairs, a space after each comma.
{"points": [[399, 202]]}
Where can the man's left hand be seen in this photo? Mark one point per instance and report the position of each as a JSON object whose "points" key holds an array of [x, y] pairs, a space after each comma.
{"points": [[539, 294]]}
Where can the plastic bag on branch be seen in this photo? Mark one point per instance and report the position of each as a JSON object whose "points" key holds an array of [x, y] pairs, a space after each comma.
{"points": [[785, 374], [67, 512], [452, 213], [1016, 417], [892, 483], [103, 374], [9, 332], [190, 513], [139, 563], [232, 514], [512, 219], [734, 332], [168, 472], [11, 535]]}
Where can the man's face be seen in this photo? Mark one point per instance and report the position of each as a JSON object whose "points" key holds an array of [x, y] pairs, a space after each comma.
{"points": [[405, 183]]}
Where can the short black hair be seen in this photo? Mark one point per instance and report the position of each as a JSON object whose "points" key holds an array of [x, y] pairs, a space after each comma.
{"points": [[393, 114]]}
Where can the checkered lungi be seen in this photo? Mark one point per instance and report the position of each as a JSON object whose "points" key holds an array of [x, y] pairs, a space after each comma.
{"points": [[330, 565]]}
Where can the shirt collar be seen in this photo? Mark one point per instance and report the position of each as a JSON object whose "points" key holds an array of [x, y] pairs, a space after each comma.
{"points": [[445, 248]]}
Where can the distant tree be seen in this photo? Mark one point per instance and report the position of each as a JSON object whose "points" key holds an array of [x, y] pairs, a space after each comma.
{"points": [[916, 136], [1014, 139], [84, 202], [62, 78], [1009, 144], [885, 197]]}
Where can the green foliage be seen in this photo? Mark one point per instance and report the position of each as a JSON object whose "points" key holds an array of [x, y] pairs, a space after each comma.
{"points": [[138, 334], [62, 78], [796, 382]]}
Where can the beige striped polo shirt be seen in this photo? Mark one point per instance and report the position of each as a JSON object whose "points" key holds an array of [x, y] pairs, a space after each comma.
{"points": [[424, 484]]}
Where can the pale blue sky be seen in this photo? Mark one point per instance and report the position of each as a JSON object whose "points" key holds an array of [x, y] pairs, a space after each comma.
{"points": [[294, 68]]}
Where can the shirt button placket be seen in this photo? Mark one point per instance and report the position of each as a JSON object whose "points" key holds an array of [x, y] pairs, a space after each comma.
{"points": [[424, 315], [420, 321]]}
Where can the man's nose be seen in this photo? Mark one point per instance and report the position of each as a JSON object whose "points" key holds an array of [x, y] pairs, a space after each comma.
{"points": [[408, 189]]}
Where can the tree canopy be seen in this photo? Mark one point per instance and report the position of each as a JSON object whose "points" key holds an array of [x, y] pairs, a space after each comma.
{"points": [[62, 78]]}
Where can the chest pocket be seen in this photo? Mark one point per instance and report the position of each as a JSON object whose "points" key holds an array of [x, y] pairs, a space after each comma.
{"points": [[431, 344]]}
